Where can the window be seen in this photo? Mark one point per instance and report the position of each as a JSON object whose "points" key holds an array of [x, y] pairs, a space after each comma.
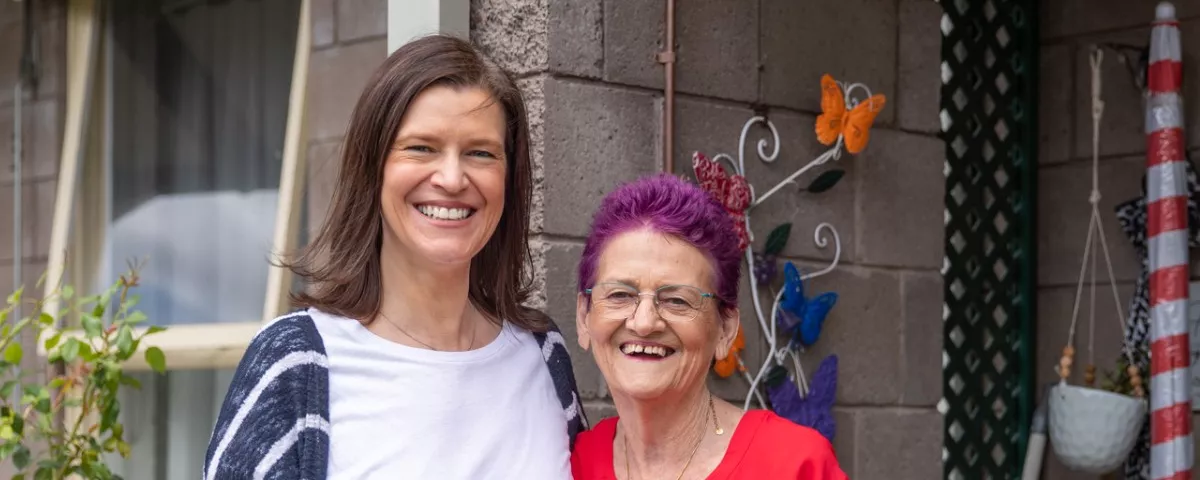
{"points": [[182, 147], [188, 159]]}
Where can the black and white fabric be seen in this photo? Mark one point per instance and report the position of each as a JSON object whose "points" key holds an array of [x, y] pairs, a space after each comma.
{"points": [[1132, 217]]}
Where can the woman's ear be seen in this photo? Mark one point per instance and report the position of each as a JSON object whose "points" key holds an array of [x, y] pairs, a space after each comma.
{"points": [[728, 333], [581, 311]]}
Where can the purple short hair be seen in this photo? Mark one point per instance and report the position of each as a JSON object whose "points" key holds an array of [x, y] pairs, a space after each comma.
{"points": [[672, 206]]}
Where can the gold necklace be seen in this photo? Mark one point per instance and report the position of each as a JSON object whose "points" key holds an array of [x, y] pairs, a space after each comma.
{"points": [[474, 328], [718, 430]]}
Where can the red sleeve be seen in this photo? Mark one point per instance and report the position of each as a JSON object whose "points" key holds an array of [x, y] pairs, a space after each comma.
{"points": [[820, 463], [592, 458], [782, 449]]}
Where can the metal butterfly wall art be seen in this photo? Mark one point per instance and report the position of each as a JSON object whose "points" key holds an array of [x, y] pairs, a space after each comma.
{"points": [[851, 122], [731, 190], [800, 316], [815, 408]]}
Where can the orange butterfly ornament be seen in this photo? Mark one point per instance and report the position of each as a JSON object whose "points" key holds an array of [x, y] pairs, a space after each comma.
{"points": [[852, 124]]}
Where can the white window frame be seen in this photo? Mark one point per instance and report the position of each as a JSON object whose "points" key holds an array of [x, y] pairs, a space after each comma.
{"points": [[187, 346]]}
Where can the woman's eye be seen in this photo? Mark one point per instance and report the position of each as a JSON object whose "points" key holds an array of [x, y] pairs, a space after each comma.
{"points": [[619, 295], [481, 153], [678, 302], [419, 148]]}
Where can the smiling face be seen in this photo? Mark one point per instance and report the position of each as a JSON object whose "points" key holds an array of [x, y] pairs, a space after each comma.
{"points": [[644, 355], [443, 181]]}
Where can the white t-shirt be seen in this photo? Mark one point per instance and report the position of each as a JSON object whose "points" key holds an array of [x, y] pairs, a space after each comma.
{"points": [[398, 412]]}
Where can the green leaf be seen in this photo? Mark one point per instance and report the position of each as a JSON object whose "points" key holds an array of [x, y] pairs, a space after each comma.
{"points": [[132, 301], [777, 239], [7, 389], [86, 353], [45, 319], [53, 341], [21, 458], [44, 473], [92, 325], [13, 353], [826, 180], [125, 340], [156, 359], [776, 375], [43, 423], [67, 292], [131, 382], [154, 329], [16, 296], [43, 403], [19, 476], [135, 318], [70, 350]]}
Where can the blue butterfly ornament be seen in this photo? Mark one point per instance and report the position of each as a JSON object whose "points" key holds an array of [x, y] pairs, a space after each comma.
{"points": [[800, 316]]}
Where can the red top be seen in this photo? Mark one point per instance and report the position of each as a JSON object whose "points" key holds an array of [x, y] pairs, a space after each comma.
{"points": [[764, 446]]}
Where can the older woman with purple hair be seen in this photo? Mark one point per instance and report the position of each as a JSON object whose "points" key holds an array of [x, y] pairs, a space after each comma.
{"points": [[665, 240]]}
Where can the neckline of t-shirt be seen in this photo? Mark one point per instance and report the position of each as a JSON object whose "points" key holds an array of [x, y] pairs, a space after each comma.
{"points": [[358, 331]]}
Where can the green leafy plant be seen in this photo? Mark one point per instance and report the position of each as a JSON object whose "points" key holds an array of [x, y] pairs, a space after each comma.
{"points": [[65, 425], [1118, 380]]}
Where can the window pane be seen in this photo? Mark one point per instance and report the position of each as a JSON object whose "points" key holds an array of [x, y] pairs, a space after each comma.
{"points": [[168, 423], [199, 100]]}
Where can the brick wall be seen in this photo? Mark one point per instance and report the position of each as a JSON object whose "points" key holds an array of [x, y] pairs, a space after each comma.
{"points": [[589, 69], [1068, 28]]}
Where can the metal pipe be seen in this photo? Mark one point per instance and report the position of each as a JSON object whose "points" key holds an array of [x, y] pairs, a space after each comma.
{"points": [[17, 257], [667, 58]]}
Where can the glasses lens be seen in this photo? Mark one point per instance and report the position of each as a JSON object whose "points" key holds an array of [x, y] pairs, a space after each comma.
{"points": [[679, 303], [614, 301]]}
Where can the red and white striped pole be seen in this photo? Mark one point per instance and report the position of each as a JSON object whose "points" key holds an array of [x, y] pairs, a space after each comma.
{"points": [[1171, 454]]}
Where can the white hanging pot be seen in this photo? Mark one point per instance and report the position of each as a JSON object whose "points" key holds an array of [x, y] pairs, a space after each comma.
{"points": [[1093, 430]]}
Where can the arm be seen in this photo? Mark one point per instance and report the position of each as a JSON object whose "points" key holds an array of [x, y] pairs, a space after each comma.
{"points": [[274, 421], [558, 360]]}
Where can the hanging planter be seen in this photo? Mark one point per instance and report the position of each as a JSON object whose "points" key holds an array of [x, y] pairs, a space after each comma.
{"points": [[1093, 430]]}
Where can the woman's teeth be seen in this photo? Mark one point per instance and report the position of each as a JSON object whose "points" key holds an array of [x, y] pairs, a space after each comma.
{"points": [[631, 349], [443, 213]]}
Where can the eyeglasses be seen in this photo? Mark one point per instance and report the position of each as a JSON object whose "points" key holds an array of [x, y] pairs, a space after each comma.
{"points": [[673, 303]]}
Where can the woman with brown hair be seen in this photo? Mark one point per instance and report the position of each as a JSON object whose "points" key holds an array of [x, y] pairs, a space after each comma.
{"points": [[414, 356]]}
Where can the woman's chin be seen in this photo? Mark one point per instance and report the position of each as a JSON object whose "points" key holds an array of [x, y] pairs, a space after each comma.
{"points": [[641, 387]]}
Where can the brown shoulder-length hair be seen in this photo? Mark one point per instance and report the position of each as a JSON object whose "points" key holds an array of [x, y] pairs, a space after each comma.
{"points": [[342, 266]]}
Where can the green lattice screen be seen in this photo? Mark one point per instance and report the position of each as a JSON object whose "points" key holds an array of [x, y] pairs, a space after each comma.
{"points": [[988, 123]]}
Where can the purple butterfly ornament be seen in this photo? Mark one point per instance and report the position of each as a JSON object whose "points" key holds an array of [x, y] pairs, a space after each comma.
{"points": [[814, 410]]}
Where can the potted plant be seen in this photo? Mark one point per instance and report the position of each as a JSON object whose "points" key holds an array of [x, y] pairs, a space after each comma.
{"points": [[1093, 429], [63, 423]]}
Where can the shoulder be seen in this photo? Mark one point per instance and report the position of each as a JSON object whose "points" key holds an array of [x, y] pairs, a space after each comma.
{"points": [[598, 439], [795, 448], [593, 454], [275, 414]]}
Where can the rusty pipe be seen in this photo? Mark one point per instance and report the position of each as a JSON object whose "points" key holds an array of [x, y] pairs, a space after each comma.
{"points": [[667, 58]]}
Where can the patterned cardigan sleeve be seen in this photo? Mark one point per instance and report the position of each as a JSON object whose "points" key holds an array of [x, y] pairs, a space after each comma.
{"points": [[558, 360], [274, 422]]}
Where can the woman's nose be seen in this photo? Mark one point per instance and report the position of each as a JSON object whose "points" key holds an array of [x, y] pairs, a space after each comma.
{"points": [[450, 175], [645, 319]]}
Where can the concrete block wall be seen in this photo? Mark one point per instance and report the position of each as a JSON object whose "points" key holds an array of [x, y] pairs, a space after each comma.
{"points": [[596, 91], [1064, 181]]}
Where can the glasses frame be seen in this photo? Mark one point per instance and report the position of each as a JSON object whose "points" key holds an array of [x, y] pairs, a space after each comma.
{"points": [[705, 297]]}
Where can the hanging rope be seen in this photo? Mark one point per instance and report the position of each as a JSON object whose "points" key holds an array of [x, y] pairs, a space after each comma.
{"points": [[1095, 229]]}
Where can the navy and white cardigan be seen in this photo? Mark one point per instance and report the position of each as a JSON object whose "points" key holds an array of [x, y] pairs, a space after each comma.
{"points": [[275, 419]]}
